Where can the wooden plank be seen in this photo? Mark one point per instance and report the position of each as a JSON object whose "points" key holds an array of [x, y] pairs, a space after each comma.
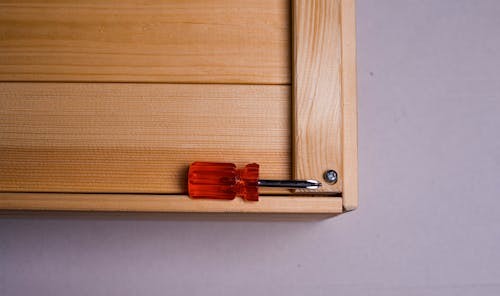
{"points": [[349, 106], [317, 90], [166, 203], [197, 41], [136, 138]]}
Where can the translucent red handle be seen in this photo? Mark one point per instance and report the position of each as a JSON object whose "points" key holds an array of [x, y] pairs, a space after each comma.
{"points": [[223, 181]]}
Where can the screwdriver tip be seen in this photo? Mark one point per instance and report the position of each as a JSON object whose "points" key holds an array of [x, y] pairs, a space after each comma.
{"points": [[313, 184]]}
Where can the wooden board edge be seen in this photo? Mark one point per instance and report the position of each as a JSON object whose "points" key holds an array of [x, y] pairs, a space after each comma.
{"points": [[316, 92], [166, 203], [349, 106]]}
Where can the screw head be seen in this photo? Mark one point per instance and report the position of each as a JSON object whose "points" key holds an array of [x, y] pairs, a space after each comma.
{"points": [[330, 176]]}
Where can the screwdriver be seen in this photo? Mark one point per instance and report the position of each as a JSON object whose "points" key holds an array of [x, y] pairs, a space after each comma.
{"points": [[215, 180]]}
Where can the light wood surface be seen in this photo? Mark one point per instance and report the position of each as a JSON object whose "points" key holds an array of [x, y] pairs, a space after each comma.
{"points": [[196, 41], [136, 138], [166, 203], [349, 107], [59, 142], [317, 109]]}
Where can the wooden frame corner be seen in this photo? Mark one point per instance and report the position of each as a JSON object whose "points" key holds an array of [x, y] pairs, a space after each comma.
{"points": [[349, 106], [324, 94]]}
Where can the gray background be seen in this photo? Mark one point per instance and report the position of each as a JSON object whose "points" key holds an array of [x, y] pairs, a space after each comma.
{"points": [[428, 222]]}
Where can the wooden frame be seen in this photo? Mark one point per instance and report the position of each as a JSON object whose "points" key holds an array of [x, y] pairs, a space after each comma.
{"points": [[324, 95], [324, 89]]}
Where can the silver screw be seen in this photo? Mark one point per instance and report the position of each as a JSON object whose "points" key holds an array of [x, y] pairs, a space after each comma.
{"points": [[330, 176]]}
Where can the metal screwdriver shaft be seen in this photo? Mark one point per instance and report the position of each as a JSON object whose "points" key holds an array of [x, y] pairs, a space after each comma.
{"points": [[292, 184]]}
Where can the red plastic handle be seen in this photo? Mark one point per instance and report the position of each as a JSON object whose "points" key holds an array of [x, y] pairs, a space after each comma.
{"points": [[223, 181]]}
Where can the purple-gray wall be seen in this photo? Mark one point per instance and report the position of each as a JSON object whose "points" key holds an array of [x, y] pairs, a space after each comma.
{"points": [[429, 216]]}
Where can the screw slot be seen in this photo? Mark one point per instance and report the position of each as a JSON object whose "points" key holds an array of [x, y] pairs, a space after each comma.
{"points": [[330, 176]]}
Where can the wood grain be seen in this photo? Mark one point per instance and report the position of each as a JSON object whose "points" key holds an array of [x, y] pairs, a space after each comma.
{"points": [[136, 138], [317, 90], [166, 203], [349, 107], [109, 138], [196, 41]]}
